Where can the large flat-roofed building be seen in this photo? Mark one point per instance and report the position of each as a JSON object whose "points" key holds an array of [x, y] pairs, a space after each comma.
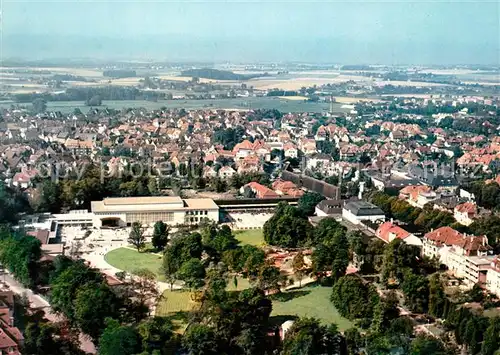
{"points": [[357, 211], [123, 211]]}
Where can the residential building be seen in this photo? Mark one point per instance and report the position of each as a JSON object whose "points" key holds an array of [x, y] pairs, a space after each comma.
{"points": [[388, 231], [226, 172], [466, 256], [493, 277], [465, 213], [418, 195], [260, 191]]}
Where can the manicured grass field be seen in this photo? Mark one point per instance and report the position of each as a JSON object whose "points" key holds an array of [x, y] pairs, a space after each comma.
{"points": [[130, 260], [175, 301], [310, 301], [250, 236], [176, 305]]}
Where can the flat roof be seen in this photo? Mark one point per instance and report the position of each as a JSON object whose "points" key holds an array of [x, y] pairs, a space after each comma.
{"points": [[363, 208], [151, 204], [148, 200]]}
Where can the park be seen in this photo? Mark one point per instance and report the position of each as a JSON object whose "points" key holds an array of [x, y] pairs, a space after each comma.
{"points": [[312, 300]]}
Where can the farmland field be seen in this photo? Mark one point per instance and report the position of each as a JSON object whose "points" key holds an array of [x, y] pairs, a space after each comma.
{"points": [[237, 104]]}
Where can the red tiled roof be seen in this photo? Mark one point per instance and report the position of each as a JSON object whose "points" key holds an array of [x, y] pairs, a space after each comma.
{"points": [[449, 236], [467, 207], [414, 190], [41, 234], [261, 191], [6, 341], [385, 230], [445, 236], [284, 186]]}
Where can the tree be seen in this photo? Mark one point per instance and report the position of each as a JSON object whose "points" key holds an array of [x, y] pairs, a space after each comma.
{"points": [[169, 268], [416, 291], [326, 230], [160, 235], [352, 298], [385, 312], [217, 240], [287, 228], [39, 338], [437, 297], [298, 265], [271, 279], [39, 105], [308, 337], [94, 101], [424, 345], [403, 326], [332, 249], [119, 339], [145, 287], [308, 202], [397, 256], [247, 260], [157, 334], [92, 306], [199, 339], [136, 236], [192, 273], [20, 254], [491, 342], [180, 250], [65, 286], [50, 197]]}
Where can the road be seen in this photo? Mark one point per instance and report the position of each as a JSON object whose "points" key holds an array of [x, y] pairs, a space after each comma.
{"points": [[39, 302]]}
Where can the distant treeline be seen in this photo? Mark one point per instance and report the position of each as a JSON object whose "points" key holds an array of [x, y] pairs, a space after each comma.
{"points": [[119, 73], [68, 77], [282, 93], [215, 74], [86, 93], [356, 67]]}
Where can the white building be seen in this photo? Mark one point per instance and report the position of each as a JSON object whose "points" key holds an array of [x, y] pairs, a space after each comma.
{"points": [[358, 211], [123, 211], [466, 256], [493, 277]]}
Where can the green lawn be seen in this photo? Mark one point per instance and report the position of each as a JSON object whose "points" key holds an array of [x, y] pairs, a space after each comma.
{"points": [[176, 305], [175, 301], [310, 301], [251, 236], [241, 284], [130, 260]]}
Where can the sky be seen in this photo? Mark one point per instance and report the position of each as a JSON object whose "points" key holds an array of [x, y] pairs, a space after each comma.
{"points": [[357, 32]]}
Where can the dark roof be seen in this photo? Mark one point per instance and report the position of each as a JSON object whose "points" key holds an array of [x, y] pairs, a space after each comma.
{"points": [[330, 206], [363, 208], [433, 178]]}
